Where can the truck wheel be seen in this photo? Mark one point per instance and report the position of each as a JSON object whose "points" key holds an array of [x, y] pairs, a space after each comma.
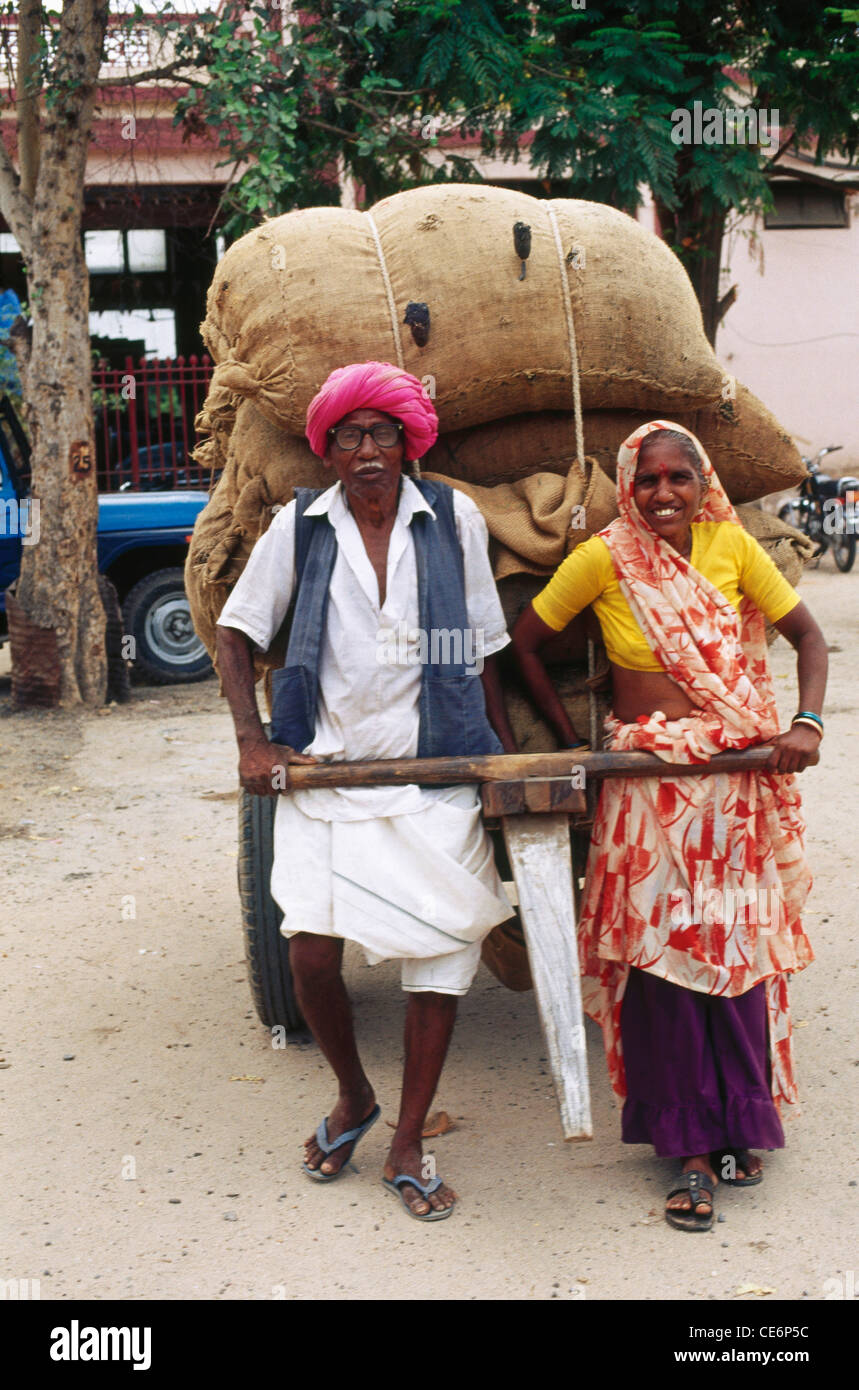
{"points": [[266, 951], [167, 650]]}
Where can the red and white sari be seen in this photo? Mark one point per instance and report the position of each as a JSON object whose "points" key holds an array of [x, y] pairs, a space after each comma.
{"points": [[699, 880]]}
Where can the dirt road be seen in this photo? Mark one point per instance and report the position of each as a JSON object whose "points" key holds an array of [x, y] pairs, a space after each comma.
{"points": [[151, 1132]]}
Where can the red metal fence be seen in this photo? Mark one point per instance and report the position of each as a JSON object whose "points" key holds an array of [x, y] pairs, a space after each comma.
{"points": [[144, 423]]}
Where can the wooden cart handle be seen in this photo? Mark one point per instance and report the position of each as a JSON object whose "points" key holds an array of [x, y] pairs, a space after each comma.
{"points": [[508, 767]]}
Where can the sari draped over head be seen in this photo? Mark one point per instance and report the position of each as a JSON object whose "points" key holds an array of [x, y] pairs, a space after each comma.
{"points": [[699, 880]]}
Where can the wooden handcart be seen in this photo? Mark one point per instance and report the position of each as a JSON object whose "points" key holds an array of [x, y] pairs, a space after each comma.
{"points": [[535, 798]]}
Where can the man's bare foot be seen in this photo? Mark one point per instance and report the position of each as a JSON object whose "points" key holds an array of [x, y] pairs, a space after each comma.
{"points": [[349, 1112], [408, 1157], [683, 1200]]}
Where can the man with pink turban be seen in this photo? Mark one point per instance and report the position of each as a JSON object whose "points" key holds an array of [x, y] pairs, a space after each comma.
{"points": [[395, 614]]}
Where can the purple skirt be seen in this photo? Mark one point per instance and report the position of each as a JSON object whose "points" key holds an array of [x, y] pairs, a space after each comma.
{"points": [[697, 1069]]}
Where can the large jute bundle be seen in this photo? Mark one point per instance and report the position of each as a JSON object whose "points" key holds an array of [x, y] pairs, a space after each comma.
{"points": [[750, 451], [752, 454], [315, 288]]}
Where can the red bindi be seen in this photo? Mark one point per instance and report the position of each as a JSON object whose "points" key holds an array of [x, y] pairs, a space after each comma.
{"points": [[661, 469]]}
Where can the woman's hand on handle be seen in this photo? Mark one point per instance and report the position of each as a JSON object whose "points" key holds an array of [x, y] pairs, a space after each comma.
{"points": [[794, 751]]}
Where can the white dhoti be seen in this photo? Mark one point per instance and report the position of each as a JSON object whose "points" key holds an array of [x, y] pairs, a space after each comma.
{"points": [[407, 872], [421, 888]]}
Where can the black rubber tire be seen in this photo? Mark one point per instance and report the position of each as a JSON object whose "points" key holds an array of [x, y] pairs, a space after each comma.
{"points": [[266, 951], [844, 552], [157, 593]]}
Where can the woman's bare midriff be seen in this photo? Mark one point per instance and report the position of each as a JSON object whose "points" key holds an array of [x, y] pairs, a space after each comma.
{"points": [[643, 692]]}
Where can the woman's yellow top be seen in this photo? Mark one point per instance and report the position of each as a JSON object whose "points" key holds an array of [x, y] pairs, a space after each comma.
{"points": [[725, 554]]}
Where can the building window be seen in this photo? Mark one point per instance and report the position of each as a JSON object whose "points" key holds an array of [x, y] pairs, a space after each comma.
{"points": [[147, 251], [800, 204], [154, 328], [132, 253]]}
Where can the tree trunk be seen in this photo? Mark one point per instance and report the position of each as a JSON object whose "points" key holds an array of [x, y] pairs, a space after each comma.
{"points": [[58, 587], [695, 232]]}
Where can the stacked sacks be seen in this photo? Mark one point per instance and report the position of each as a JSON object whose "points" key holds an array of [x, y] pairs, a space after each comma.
{"points": [[749, 450], [315, 289]]}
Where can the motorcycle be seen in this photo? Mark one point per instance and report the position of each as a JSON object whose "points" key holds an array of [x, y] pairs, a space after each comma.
{"points": [[826, 510]]}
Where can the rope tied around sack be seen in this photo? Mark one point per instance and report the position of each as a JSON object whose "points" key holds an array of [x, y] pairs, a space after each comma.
{"points": [[571, 338], [389, 293]]}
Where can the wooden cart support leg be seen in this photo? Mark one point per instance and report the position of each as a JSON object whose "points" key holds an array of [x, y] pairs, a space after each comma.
{"points": [[539, 851]]}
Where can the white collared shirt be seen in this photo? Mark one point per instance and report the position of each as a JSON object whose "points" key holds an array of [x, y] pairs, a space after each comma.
{"points": [[369, 664]]}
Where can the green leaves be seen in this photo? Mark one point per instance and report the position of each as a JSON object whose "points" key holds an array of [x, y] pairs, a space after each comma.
{"points": [[381, 16], [369, 89]]}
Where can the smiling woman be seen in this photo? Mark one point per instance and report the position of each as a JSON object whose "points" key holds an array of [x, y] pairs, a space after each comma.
{"points": [[669, 486], [694, 1012]]}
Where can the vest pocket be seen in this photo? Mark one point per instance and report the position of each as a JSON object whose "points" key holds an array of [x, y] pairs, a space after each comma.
{"points": [[293, 707], [458, 717]]}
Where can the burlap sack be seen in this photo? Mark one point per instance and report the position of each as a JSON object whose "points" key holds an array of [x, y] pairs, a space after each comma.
{"points": [[314, 289], [789, 550], [217, 555], [535, 522], [749, 450], [213, 427]]}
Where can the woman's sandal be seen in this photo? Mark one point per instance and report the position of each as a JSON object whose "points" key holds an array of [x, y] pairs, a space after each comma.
{"points": [[741, 1159], [700, 1188]]}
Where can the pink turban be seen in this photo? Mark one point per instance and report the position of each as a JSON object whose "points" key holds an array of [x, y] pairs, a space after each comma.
{"points": [[374, 386]]}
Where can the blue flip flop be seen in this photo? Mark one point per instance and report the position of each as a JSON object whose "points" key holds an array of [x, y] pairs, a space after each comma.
{"points": [[396, 1185], [351, 1136]]}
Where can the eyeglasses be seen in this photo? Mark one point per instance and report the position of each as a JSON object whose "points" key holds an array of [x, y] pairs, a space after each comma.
{"points": [[350, 437]]}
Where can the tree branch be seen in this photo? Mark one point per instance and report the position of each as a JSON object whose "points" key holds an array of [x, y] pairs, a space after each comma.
{"points": [[71, 106], [783, 147], [29, 29], [152, 75], [16, 207], [724, 304]]}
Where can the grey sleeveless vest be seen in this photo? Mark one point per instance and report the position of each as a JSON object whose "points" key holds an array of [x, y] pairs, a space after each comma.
{"points": [[452, 707]]}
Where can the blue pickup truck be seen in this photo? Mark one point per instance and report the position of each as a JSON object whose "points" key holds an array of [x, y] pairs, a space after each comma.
{"points": [[142, 544]]}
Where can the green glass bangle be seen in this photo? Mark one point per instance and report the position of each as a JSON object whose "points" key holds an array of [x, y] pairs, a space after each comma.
{"points": [[809, 714]]}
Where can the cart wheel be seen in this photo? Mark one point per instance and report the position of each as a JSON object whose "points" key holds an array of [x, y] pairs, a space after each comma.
{"points": [[266, 951]]}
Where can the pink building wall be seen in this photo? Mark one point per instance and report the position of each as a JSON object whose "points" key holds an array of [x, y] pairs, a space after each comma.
{"points": [[792, 336]]}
